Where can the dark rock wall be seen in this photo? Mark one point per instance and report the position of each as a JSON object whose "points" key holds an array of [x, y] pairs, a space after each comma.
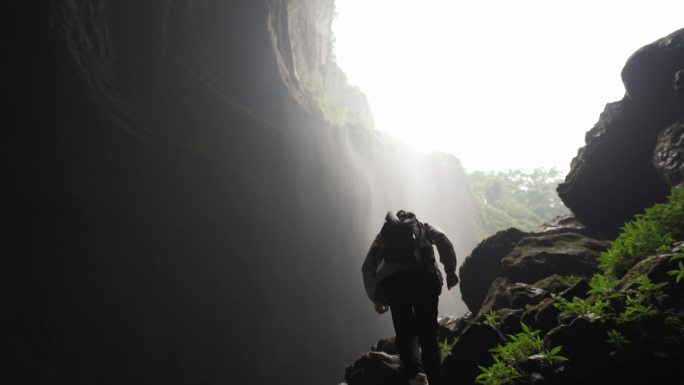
{"points": [[613, 176], [178, 212]]}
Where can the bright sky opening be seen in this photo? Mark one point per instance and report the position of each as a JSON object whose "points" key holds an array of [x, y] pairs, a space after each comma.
{"points": [[500, 84]]}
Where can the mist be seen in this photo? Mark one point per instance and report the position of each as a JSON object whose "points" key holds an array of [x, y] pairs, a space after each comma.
{"points": [[182, 208]]}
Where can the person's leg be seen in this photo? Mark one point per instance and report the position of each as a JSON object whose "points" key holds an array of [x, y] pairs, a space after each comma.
{"points": [[398, 291], [426, 326]]}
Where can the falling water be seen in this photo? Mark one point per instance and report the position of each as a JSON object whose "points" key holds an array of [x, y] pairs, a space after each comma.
{"points": [[179, 214]]}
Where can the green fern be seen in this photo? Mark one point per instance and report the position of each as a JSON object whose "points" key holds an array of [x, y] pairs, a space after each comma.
{"points": [[650, 233]]}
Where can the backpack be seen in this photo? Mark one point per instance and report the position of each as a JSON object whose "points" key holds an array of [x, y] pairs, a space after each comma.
{"points": [[405, 240]]}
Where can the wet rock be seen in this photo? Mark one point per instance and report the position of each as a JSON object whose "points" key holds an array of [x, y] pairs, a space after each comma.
{"points": [[479, 269], [554, 284], [498, 296], [648, 76], [510, 320], [540, 256], [574, 337], [376, 368], [502, 294], [450, 328], [656, 268], [542, 316], [579, 290], [523, 294], [471, 350], [668, 156], [385, 345], [563, 223], [612, 177]]}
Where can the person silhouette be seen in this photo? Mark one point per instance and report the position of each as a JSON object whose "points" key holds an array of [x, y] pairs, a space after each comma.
{"points": [[400, 274]]}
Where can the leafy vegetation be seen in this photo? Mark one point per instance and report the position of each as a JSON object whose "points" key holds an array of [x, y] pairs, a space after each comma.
{"points": [[679, 272], [602, 286], [492, 319], [516, 199], [616, 339], [598, 305], [552, 356], [507, 357], [445, 348], [592, 309], [649, 233], [641, 304], [499, 373], [639, 297]]}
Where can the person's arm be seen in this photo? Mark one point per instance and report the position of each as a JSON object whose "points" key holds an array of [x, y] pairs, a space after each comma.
{"points": [[369, 269], [447, 254]]}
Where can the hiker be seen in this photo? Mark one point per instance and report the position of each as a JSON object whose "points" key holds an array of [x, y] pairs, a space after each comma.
{"points": [[400, 273]]}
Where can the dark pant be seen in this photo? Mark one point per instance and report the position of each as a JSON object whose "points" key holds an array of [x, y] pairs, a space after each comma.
{"points": [[413, 299]]}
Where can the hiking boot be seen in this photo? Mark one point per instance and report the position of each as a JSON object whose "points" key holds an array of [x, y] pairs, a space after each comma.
{"points": [[420, 379]]}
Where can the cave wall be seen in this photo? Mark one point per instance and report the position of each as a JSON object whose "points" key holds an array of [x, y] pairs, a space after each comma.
{"points": [[180, 211]]}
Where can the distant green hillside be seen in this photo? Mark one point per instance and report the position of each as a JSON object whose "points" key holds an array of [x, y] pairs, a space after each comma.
{"points": [[516, 199]]}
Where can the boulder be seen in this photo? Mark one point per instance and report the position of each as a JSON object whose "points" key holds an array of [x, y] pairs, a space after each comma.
{"points": [[612, 177], [385, 345], [498, 297], [555, 283], [573, 338], [471, 350], [563, 223], [580, 290], [510, 321], [504, 295], [376, 368], [523, 294], [542, 316], [540, 256], [656, 268], [668, 156], [649, 75], [483, 265], [450, 328]]}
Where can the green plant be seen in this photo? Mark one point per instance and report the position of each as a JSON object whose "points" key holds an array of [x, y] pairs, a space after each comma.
{"points": [[649, 233], [506, 357], [616, 339], [647, 287], [602, 286], [636, 308], [521, 345], [499, 373], [492, 319], [640, 303], [444, 348], [569, 280], [552, 356], [678, 273], [592, 308], [673, 322]]}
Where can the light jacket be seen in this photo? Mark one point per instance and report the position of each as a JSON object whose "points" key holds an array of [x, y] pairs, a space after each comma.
{"points": [[375, 268]]}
